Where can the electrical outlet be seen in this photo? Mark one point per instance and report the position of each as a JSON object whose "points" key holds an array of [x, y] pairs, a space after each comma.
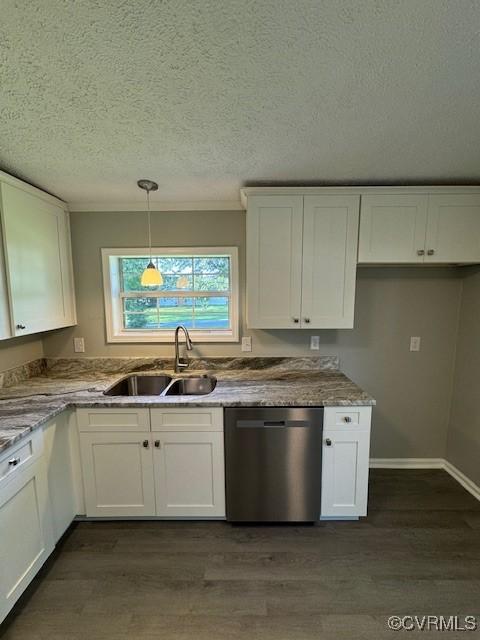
{"points": [[79, 345], [414, 344], [247, 343], [314, 343]]}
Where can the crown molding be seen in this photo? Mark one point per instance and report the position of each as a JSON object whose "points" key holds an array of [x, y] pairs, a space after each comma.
{"points": [[140, 205]]}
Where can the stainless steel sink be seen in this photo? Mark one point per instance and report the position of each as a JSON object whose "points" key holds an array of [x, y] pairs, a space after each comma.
{"points": [[194, 386], [139, 385], [145, 385]]}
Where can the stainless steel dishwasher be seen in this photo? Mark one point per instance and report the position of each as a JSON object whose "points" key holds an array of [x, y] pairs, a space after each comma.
{"points": [[273, 461]]}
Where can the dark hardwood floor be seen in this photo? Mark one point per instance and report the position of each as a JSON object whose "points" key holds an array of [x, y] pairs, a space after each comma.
{"points": [[418, 552]]}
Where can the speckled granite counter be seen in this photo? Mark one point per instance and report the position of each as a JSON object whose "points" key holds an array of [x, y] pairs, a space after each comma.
{"points": [[240, 382]]}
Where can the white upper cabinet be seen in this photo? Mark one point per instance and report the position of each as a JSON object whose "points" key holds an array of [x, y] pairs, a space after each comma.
{"points": [[453, 231], [274, 265], [438, 228], [301, 261], [36, 240], [5, 327], [330, 231], [392, 228]]}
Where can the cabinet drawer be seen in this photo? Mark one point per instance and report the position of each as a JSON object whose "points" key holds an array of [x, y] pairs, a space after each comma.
{"points": [[113, 419], [20, 455], [347, 417], [185, 419]]}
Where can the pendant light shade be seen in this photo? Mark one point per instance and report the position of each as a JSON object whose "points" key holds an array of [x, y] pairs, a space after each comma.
{"points": [[151, 276]]}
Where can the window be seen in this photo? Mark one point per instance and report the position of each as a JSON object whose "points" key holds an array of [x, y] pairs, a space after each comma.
{"points": [[199, 290]]}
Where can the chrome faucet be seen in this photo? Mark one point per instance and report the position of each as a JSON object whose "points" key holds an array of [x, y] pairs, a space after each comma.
{"points": [[182, 363]]}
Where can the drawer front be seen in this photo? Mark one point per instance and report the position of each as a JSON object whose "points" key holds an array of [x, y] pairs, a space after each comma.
{"points": [[20, 455], [347, 417], [113, 420], [185, 419]]}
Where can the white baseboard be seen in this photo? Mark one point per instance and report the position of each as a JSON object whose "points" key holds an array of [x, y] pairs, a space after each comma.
{"points": [[428, 463], [462, 479], [407, 463]]}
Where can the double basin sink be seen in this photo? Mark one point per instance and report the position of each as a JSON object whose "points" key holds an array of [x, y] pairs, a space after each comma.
{"points": [[162, 385]]}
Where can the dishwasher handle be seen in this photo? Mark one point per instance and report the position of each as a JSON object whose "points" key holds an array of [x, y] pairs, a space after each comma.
{"points": [[271, 424]]}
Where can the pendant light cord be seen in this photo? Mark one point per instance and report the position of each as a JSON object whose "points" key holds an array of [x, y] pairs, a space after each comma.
{"points": [[149, 225]]}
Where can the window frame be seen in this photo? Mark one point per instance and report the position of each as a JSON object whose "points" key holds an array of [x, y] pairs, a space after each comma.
{"points": [[113, 295]]}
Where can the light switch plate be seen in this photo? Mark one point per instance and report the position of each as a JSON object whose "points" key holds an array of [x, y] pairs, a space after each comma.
{"points": [[414, 343], [247, 343], [314, 343], [79, 345]]}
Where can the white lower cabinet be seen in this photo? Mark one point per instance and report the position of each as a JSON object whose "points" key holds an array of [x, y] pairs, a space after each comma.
{"points": [[345, 461], [25, 530], [174, 470], [118, 474], [62, 460], [189, 474]]}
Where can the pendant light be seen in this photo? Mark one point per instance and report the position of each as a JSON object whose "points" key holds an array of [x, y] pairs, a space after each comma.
{"points": [[151, 277]]}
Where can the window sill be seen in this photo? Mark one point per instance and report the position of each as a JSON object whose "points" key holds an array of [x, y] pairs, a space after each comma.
{"points": [[169, 337]]}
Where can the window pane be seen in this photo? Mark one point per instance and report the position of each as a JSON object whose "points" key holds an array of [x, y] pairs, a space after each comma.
{"points": [[139, 304], [218, 265], [212, 313], [176, 282], [174, 311], [211, 283], [146, 320], [131, 271], [175, 265]]}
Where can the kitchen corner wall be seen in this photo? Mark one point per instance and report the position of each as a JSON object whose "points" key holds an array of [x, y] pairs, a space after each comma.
{"points": [[413, 390], [18, 351], [463, 448]]}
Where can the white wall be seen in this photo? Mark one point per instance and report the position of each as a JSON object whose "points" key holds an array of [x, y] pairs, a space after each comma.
{"points": [[18, 351], [413, 389], [464, 432]]}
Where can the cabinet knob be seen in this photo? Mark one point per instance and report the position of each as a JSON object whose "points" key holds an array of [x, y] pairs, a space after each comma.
{"points": [[420, 252], [328, 442], [430, 252], [157, 444], [145, 444], [347, 419], [307, 320], [13, 462], [21, 326], [296, 320]]}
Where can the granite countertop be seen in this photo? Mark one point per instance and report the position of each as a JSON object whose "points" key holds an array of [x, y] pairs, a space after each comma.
{"points": [[240, 382]]}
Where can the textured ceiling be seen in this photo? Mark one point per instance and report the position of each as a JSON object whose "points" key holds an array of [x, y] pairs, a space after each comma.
{"points": [[205, 96]]}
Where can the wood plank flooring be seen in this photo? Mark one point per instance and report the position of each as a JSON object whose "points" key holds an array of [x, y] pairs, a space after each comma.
{"points": [[418, 552]]}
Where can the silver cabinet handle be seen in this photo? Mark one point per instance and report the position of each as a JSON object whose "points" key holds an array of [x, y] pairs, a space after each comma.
{"points": [[145, 444], [296, 320], [430, 252], [328, 442], [13, 462], [157, 444], [21, 326], [307, 320], [347, 419], [420, 252]]}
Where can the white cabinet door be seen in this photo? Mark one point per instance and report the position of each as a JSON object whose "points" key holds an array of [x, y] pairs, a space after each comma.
{"points": [[453, 230], [38, 262], [118, 474], [5, 327], [274, 261], [62, 463], [330, 237], [26, 538], [345, 472], [392, 228], [189, 474]]}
